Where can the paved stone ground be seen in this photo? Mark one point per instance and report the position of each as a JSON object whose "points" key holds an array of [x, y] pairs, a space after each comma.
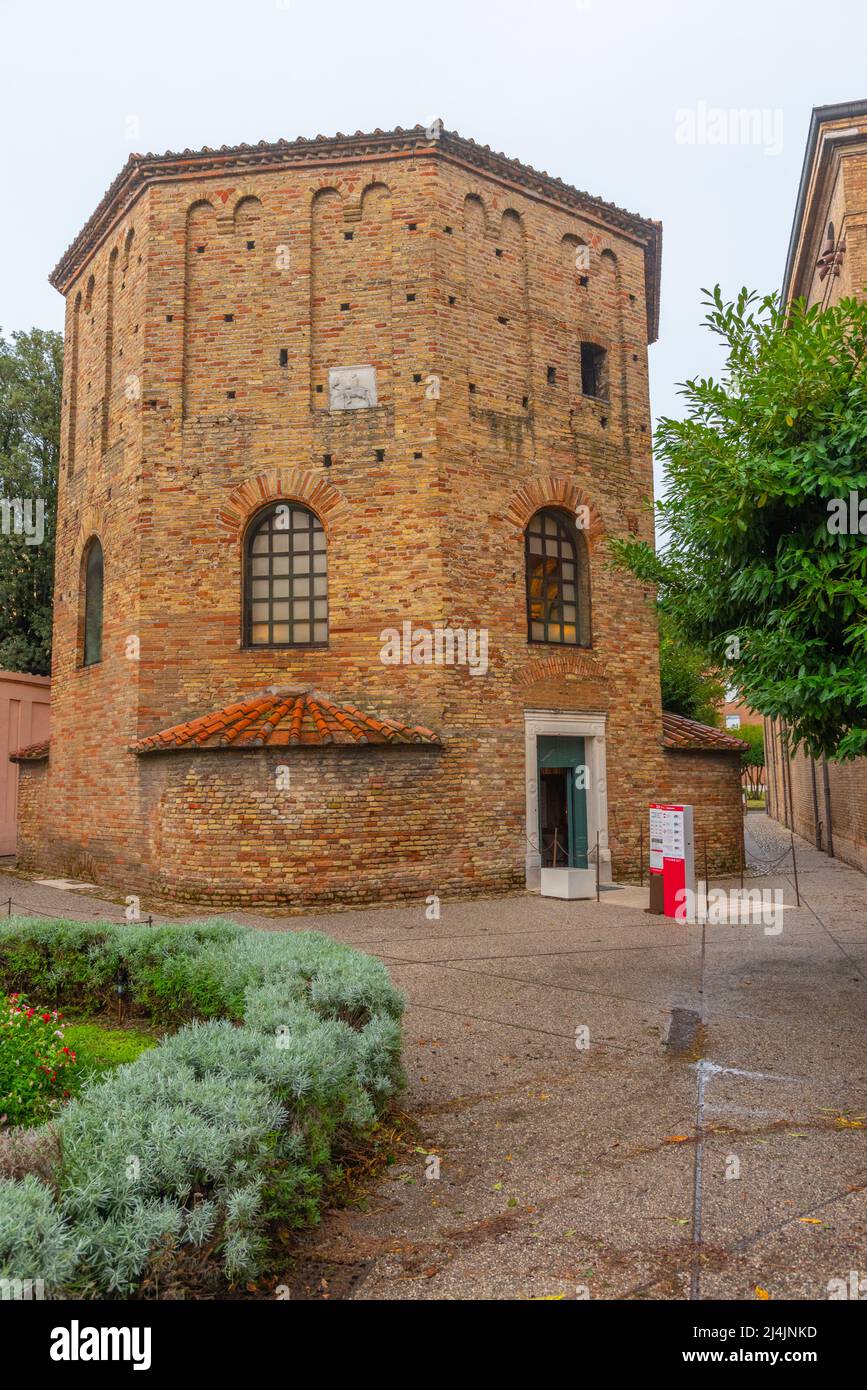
{"points": [[604, 1169]]}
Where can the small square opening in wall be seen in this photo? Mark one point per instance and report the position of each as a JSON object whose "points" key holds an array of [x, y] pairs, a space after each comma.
{"points": [[230, 395], [416, 376], [501, 318], [380, 455], [412, 226], [228, 318], [584, 281], [319, 390], [594, 371], [348, 236], [472, 388], [327, 460], [410, 299], [499, 251], [200, 250], [170, 318], [344, 307], [251, 246], [284, 357], [552, 376], [448, 231], [525, 402], [417, 456], [452, 299]]}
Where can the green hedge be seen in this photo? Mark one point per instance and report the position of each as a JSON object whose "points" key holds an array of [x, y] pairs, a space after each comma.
{"points": [[229, 1121]]}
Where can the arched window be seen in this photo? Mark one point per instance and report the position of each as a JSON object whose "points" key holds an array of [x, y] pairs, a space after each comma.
{"points": [[286, 580], [558, 580], [93, 573]]}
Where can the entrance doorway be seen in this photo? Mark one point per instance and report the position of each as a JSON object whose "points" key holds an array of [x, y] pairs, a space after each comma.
{"points": [[562, 802]]}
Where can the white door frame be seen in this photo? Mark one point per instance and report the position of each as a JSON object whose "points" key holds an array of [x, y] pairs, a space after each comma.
{"points": [[568, 724]]}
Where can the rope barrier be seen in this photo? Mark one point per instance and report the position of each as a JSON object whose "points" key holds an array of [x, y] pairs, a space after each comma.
{"points": [[29, 911]]}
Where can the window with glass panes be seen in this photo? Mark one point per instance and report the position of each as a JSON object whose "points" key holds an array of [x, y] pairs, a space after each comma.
{"points": [[558, 581], [287, 580]]}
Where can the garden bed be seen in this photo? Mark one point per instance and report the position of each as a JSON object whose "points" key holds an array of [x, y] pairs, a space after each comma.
{"points": [[288, 1050]]}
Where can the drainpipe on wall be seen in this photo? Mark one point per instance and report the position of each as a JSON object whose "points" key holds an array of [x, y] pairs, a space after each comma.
{"points": [[789, 778], [783, 773], [770, 767], [816, 827], [826, 783]]}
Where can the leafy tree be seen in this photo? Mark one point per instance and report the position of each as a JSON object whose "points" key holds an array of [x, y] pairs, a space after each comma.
{"points": [[753, 756], [31, 371], [688, 687], [755, 567]]}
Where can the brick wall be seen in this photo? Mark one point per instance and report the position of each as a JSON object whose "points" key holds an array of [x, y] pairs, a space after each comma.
{"points": [[253, 282], [791, 784]]}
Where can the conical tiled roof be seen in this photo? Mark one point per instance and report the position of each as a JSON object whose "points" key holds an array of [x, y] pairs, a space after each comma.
{"points": [[283, 719]]}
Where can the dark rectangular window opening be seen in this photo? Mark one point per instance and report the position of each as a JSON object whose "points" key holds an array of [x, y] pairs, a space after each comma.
{"points": [[594, 371], [251, 246], [552, 376], [284, 357]]}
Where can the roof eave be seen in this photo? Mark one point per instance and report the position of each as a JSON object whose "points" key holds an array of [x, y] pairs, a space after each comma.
{"points": [[143, 170], [820, 115]]}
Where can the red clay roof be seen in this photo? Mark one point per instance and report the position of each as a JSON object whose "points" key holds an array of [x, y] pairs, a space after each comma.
{"points": [[33, 753], [678, 732], [283, 719]]}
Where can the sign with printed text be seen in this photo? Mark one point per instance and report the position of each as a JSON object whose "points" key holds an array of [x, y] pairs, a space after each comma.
{"points": [[671, 850]]}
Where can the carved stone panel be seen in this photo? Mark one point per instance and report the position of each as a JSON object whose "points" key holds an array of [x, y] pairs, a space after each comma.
{"points": [[352, 388]]}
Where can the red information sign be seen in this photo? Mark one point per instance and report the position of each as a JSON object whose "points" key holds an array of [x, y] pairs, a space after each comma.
{"points": [[671, 853]]}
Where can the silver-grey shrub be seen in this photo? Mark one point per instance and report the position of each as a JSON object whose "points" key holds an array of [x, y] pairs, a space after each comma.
{"points": [[228, 1121]]}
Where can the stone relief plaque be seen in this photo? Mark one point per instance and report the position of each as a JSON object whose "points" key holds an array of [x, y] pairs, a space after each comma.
{"points": [[351, 388]]}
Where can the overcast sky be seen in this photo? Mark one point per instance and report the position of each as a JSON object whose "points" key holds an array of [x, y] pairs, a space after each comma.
{"points": [[618, 97]]}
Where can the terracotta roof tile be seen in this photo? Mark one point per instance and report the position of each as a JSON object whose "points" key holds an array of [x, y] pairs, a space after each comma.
{"points": [[281, 719], [678, 732], [33, 753]]}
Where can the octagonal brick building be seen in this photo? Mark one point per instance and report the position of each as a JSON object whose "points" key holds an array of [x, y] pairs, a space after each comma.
{"points": [[347, 423]]}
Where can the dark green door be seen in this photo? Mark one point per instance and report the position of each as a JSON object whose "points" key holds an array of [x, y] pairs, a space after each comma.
{"points": [[562, 802]]}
